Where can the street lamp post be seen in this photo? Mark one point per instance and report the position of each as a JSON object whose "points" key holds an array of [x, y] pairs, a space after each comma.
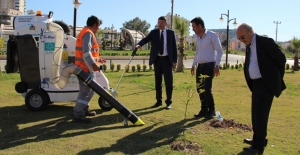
{"points": [[228, 20], [76, 6], [276, 28], [112, 32]]}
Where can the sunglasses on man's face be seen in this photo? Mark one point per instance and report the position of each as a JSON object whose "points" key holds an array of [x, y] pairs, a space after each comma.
{"points": [[241, 37]]}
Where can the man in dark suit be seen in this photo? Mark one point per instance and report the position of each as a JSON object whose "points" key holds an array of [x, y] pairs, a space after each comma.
{"points": [[264, 70], [163, 55]]}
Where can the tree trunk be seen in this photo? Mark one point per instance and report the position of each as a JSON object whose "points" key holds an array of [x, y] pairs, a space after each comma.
{"points": [[296, 61], [180, 57]]}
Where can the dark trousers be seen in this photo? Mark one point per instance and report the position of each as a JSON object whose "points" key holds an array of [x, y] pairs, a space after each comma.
{"points": [[206, 97], [262, 99], [163, 67]]}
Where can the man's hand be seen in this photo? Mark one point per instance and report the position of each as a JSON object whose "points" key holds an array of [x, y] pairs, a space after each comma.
{"points": [[174, 65], [216, 71], [192, 71], [102, 61], [95, 67], [137, 46]]}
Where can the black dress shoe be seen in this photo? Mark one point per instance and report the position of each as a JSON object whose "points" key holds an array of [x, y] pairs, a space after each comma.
{"points": [[157, 104], [210, 114], [249, 141], [201, 113], [253, 150]]}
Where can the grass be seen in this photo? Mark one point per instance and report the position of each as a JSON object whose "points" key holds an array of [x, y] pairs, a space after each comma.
{"points": [[52, 132]]}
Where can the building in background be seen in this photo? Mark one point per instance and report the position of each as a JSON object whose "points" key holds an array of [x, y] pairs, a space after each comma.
{"points": [[11, 8]]}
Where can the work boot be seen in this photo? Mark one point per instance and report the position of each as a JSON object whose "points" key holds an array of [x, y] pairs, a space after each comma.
{"points": [[81, 119], [88, 112]]}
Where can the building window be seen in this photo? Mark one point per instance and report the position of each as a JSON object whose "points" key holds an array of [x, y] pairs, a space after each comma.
{"points": [[106, 36]]}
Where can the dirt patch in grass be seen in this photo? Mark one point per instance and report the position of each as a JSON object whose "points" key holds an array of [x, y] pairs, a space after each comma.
{"points": [[187, 146], [230, 123]]}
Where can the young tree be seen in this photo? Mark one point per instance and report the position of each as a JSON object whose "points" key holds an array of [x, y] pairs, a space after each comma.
{"points": [[137, 24], [30, 12], [296, 46], [181, 28]]}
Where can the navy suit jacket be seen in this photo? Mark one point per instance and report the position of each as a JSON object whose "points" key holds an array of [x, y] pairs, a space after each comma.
{"points": [[271, 62], [154, 37]]}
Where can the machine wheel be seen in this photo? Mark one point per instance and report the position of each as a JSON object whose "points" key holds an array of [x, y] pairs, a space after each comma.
{"points": [[36, 100], [104, 105], [21, 87]]}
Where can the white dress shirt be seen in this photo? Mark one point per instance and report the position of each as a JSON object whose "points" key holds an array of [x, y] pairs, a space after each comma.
{"points": [[254, 71], [208, 49], [165, 42]]}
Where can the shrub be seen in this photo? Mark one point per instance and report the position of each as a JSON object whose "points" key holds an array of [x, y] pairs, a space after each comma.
{"points": [[228, 65], [144, 67], [138, 67], [104, 67], [112, 67], [236, 66], [224, 66], [118, 67], [127, 68], [287, 66], [133, 68], [150, 67], [232, 67], [240, 65]]}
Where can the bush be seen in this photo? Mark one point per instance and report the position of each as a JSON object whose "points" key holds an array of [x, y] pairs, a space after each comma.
{"points": [[224, 66], [127, 68], [104, 67], [287, 66], [138, 67], [232, 67], [236, 66], [112, 67], [133, 68], [240, 65], [118, 67], [144, 67], [228, 65], [150, 67]]}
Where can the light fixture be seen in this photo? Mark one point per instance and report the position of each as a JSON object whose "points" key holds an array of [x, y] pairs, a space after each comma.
{"points": [[76, 4]]}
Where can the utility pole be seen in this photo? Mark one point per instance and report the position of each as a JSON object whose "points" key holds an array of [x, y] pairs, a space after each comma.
{"points": [[172, 1], [276, 28]]}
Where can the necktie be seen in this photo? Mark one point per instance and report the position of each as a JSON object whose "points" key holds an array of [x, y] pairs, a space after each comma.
{"points": [[247, 62], [161, 43]]}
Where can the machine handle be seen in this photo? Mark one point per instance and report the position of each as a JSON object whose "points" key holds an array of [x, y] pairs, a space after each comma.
{"points": [[134, 52]]}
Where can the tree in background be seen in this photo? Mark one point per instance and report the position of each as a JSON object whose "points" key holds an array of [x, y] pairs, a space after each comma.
{"points": [[296, 46], [103, 43], [181, 27], [137, 24], [121, 44], [99, 35], [30, 12]]}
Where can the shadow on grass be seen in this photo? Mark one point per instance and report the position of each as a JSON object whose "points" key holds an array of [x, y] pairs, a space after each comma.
{"points": [[146, 139], [20, 126]]}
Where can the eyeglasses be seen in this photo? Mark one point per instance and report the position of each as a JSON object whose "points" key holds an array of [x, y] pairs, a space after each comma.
{"points": [[241, 37]]}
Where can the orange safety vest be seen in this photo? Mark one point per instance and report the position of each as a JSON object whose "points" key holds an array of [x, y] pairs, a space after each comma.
{"points": [[79, 54]]}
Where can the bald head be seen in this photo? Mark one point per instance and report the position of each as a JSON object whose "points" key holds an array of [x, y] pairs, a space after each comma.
{"points": [[245, 33]]}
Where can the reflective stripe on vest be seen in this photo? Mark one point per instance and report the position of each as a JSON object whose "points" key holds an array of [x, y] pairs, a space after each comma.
{"points": [[79, 53]]}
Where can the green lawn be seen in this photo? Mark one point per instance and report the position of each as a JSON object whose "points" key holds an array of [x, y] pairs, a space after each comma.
{"points": [[52, 132]]}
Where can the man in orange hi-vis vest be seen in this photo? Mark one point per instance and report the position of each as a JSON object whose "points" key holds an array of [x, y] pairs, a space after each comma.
{"points": [[87, 58]]}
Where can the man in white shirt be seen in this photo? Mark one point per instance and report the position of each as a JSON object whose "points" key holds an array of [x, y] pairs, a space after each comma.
{"points": [[207, 59]]}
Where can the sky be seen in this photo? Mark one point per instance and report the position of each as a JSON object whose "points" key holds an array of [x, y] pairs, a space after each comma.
{"points": [[260, 14]]}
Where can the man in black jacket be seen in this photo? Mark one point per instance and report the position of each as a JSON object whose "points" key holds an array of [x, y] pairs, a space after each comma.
{"points": [[163, 55], [264, 70]]}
